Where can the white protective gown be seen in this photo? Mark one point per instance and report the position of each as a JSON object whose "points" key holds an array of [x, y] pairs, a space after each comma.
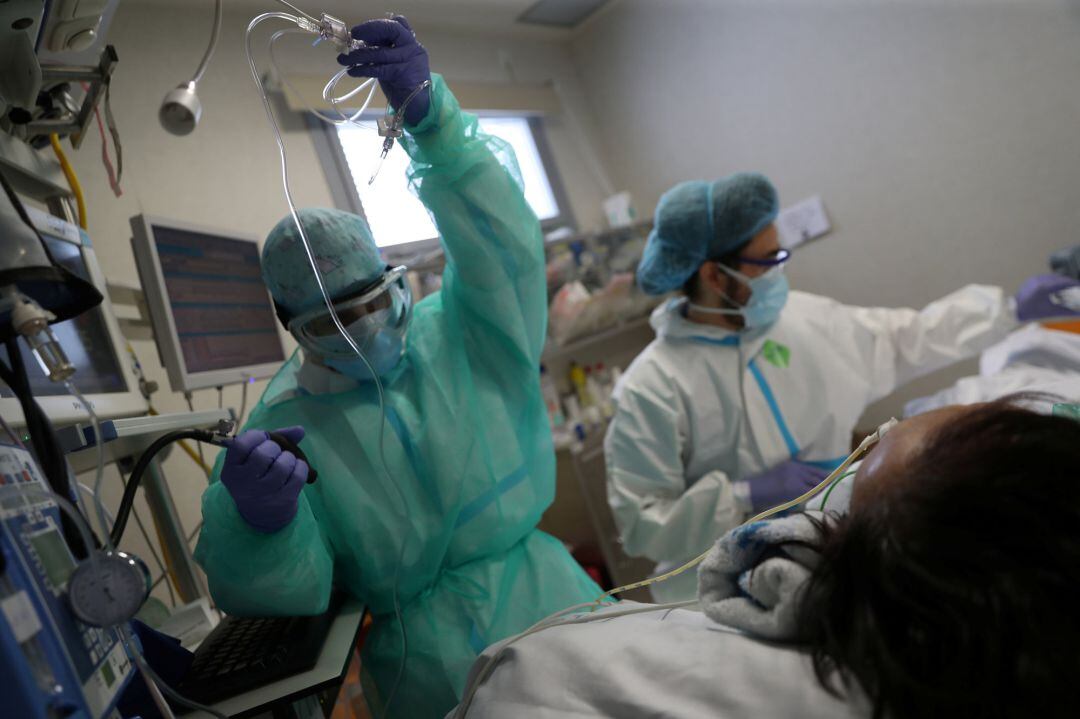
{"points": [[1032, 359], [702, 407]]}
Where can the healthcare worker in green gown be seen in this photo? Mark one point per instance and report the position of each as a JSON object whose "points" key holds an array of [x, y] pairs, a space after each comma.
{"points": [[449, 519]]}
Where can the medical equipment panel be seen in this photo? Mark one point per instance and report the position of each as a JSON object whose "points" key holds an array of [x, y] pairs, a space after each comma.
{"points": [[53, 665]]}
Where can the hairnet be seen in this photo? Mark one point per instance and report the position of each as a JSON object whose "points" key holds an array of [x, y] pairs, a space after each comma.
{"points": [[343, 247], [696, 221]]}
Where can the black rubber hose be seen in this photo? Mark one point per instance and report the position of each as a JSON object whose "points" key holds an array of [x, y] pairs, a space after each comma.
{"points": [[128, 500], [200, 435]]}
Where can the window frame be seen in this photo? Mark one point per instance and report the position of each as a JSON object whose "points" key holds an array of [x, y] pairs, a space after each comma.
{"points": [[335, 167]]}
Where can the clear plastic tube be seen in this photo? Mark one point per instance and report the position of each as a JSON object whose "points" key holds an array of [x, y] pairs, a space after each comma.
{"points": [[328, 90], [403, 509], [99, 475]]}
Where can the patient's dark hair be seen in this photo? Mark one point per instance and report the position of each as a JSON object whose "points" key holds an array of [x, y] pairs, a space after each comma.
{"points": [[957, 593]]}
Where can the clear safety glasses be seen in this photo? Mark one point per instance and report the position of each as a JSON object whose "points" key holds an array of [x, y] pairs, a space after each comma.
{"points": [[775, 261], [386, 305]]}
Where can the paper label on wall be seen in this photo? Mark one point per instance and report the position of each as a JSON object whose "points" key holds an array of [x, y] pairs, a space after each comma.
{"points": [[805, 220]]}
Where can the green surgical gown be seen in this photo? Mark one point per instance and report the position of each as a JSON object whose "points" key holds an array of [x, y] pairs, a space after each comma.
{"points": [[466, 439]]}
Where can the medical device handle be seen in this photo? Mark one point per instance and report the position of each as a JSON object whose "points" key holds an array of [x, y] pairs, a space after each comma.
{"points": [[289, 446]]}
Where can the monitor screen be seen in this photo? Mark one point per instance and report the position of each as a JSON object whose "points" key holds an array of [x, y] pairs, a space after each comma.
{"points": [[218, 301], [85, 339]]}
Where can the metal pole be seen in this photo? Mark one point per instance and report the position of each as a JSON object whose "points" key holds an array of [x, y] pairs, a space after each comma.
{"points": [[171, 531]]}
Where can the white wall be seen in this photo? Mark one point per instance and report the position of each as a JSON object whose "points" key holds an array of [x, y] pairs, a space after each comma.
{"points": [[226, 173], [943, 135]]}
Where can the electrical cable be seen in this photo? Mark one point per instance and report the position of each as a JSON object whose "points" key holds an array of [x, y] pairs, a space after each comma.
{"points": [[110, 171], [72, 178], [110, 121], [404, 511]]}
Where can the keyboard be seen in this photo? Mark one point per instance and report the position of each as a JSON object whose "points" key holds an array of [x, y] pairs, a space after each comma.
{"points": [[245, 653]]}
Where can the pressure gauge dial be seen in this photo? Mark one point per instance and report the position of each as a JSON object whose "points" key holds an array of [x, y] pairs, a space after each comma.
{"points": [[108, 589]]}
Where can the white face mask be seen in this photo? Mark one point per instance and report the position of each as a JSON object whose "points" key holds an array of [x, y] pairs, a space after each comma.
{"points": [[768, 295]]}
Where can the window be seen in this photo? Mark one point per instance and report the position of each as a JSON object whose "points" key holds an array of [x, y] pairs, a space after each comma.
{"points": [[396, 216]]}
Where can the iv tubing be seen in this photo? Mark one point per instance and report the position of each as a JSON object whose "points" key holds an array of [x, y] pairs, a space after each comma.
{"points": [[334, 316], [99, 476], [342, 119]]}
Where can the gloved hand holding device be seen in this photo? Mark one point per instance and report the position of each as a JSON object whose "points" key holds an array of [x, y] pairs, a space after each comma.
{"points": [[265, 479], [394, 58]]}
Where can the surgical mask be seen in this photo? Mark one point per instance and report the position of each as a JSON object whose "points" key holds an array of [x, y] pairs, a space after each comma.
{"points": [[768, 295], [376, 320], [384, 352]]}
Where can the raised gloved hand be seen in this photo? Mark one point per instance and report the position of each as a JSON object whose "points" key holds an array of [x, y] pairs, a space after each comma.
{"points": [[1046, 296], [783, 482], [264, 480], [396, 60]]}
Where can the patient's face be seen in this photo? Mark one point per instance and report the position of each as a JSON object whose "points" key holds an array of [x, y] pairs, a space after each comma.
{"points": [[884, 467]]}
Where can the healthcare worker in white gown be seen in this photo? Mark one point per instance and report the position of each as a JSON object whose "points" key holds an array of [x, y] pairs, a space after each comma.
{"points": [[750, 393]]}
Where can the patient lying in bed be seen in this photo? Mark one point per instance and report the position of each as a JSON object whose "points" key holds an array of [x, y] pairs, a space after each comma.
{"points": [[949, 589]]}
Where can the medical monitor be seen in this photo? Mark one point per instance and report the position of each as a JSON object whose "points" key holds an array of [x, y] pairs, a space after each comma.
{"points": [[92, 342], [212, 316]]}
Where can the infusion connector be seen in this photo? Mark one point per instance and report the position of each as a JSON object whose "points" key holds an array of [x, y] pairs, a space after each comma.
{"points": [[333, 30]]}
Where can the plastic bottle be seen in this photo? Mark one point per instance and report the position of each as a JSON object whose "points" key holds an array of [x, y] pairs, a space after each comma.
{"points": [[605, 389], [551, 400], [578, 382], [595, 389]]}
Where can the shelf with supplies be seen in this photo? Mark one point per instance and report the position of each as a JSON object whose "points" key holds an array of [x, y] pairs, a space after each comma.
{"points": [[557, 353]]}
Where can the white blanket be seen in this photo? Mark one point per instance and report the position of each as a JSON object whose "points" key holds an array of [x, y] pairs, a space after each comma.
{"points": [[667, 663]]}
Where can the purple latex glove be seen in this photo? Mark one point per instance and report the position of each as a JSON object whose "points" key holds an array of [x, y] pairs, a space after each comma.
{"points": [[397, 61], [1046, 296], [264, 480], [783, 482]]}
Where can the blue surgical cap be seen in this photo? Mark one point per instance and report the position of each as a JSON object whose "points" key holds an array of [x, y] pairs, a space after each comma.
{"points": [[697, 221], [344, 250]]}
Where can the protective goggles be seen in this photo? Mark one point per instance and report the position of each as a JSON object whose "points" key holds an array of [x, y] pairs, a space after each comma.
{"points": [[775, 261], [383, 306]]}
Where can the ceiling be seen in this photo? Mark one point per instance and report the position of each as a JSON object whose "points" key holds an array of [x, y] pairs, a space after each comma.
{"points": [[484, 16]]}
